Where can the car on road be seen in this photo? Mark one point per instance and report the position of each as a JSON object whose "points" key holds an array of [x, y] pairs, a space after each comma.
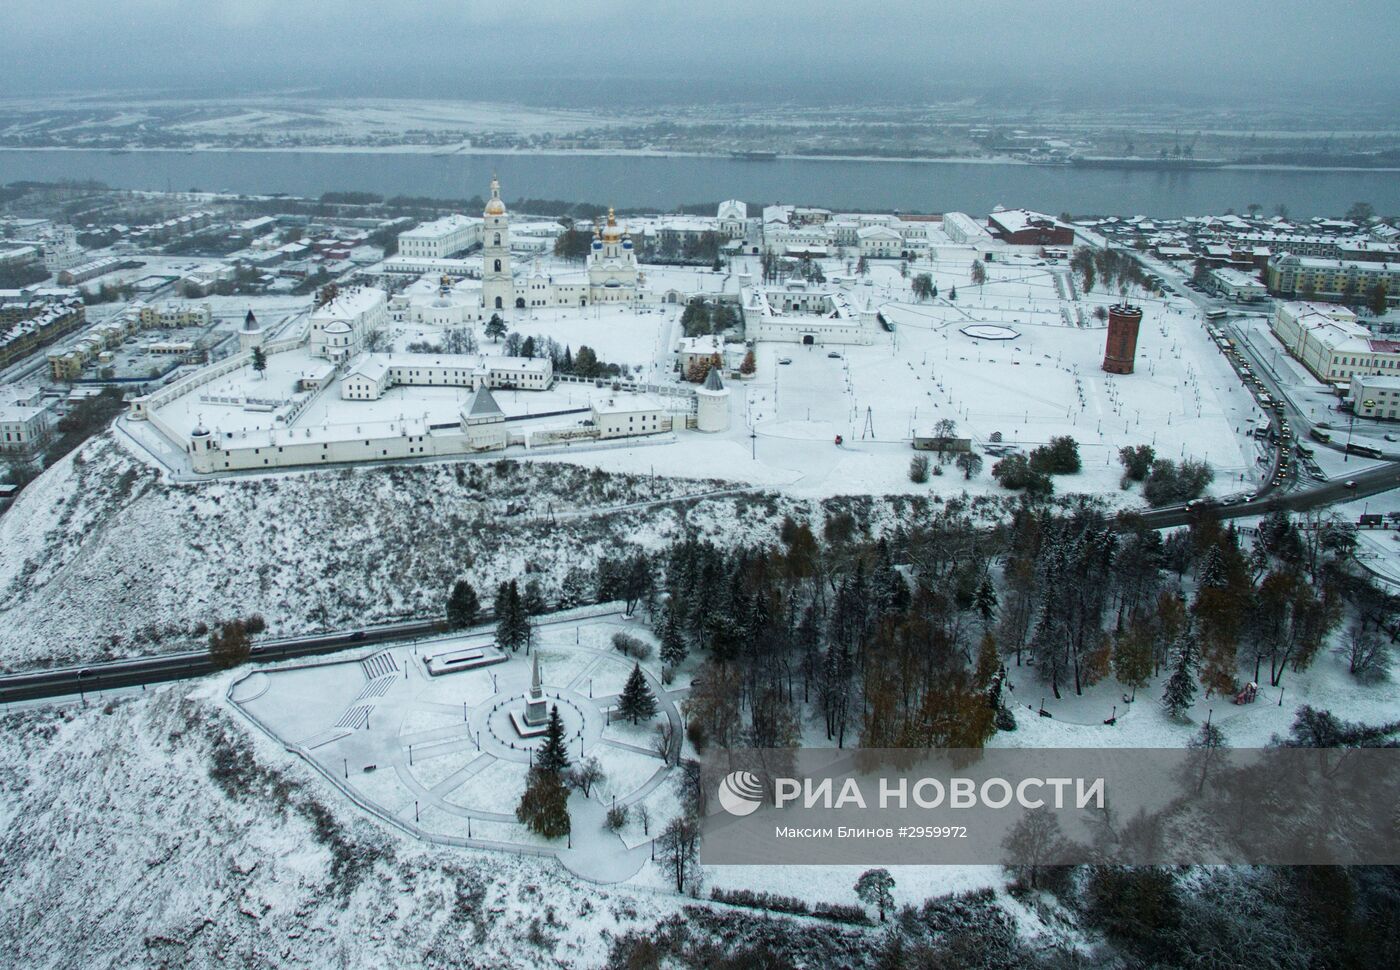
{"points": [[785, 360], [1348, 484], [1389, 437], [834, 355]]}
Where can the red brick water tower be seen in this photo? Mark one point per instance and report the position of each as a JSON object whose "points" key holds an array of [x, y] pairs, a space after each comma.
{"points": [[1123, 322]]}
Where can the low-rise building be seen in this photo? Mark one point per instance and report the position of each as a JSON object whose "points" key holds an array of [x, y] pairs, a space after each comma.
{"points": [[1375, 396], [24, 428], [440, 238], [1236, 285], [337, 328], [1328, 341], [372, 375], [176, 314], [1022, 227]]}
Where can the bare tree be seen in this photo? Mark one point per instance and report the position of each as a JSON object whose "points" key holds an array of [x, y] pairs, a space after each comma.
{"points": [[679, 848], [586, 774], [1032, 846]]}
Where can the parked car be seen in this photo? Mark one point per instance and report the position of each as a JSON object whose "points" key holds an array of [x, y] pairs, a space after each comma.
{"points": [[785, 360], [1348, 484], [834, 355]]}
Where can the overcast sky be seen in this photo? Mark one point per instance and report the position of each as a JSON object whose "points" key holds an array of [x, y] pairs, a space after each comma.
{"points": [[852, 50]]}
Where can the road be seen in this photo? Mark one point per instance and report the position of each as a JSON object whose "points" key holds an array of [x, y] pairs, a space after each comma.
{"points": [[1368, 483], [139, 671]]}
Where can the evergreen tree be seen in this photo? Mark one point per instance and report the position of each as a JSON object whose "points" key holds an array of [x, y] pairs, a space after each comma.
{"points": [[875, 887], [259, 360], [513, 628], [636, 703], [1180, 692], [495, 327], [673, 646], [553, 755], [986, 600], [462, 605]]}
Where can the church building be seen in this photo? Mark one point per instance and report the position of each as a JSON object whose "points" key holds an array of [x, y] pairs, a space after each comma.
{"points": [[610, 274]]}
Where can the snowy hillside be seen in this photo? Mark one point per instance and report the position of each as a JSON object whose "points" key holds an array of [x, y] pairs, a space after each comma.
{"points": [[100, 558], [156, 832]]}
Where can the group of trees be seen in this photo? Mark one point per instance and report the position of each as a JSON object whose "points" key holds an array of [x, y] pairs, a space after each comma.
{"points": [[1114, 268], [832, 627], [1032, 474], [514, 627], [1164, 482], [923, 287], [701, 317], [544, 805], [583, 363]]}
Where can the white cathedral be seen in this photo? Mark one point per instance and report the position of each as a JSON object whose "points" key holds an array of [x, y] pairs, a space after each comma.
{"points": [[610, 274]]}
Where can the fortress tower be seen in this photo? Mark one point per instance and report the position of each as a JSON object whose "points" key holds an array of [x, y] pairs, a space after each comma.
{"points": [[712, 404], [1123, 323]]}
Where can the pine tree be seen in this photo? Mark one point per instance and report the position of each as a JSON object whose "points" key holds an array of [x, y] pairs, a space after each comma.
{"points": [[553, 755], [513, 626], [1180, 692], [259, 360], [876, 887], [495, 327], [462, 605], [673, 646], [636, 703], [986, 600]]}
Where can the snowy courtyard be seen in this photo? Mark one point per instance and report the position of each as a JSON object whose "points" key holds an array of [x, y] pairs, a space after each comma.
{"points": [[440, 756]]}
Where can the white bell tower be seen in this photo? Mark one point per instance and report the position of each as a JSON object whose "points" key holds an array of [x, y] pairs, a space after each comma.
{"points": [[497, 283]]}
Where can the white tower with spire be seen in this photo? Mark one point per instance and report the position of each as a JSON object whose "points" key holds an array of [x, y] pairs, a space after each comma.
{"points": [[497, 282]]}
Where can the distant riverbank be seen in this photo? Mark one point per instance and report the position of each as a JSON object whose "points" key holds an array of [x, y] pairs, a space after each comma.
{"points": [[441, 151], [663, 181]]}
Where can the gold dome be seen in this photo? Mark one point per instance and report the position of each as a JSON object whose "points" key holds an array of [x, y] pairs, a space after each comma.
{"points": [[494, 206], [611, 233]]}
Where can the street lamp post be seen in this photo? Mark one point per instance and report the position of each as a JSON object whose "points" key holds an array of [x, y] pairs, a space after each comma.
{"points": [[1351, 426]]}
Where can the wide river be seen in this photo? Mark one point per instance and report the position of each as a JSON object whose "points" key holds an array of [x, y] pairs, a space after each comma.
{"points": [[663, 182]]}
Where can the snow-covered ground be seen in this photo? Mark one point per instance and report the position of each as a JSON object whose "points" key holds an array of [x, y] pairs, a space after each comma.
{"points": [[161, 830], [440, 755]]}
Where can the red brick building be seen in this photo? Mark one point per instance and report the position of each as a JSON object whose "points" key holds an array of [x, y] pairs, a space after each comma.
{"points": [[1022, 227]]}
